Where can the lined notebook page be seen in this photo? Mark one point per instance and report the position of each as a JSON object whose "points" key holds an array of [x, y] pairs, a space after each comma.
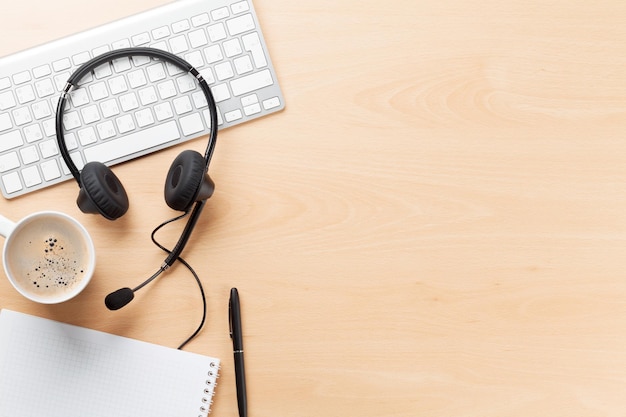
{"points": [[54, 369]]}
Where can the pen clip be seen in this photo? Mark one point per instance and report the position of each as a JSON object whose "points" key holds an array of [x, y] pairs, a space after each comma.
{"points": [[230, 317]]}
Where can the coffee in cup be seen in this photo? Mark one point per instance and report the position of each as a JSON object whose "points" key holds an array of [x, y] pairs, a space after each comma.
{"points": [[49, 257]]}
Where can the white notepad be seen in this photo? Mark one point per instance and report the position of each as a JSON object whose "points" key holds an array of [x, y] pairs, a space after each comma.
{"points": [[54, 369]]}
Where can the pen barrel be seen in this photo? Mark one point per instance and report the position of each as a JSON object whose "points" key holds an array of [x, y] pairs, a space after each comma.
{"points": [[240, 380]]}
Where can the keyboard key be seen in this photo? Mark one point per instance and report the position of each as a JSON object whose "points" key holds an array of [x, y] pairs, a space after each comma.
{"points": [[249, 83], [207, 74], [141, 39], [137, 78], [252, 109], [216, 32], [224, 71], [163, 111], [7, 100], [186, 83], [199, 100], [125, 123], [182, 105], [50, 170], [166, 89], [100, 50], [221, 13], [103, 71], [117, 85], [161, 45], [80, 58], [22, 77], [90, 114], [49, 148], [129, 102], [61, 64], [21, 116], [243, 65], [140, 60], [79, 97], [87, 136], [109, 108], [9, 161], [71, 142], [161, 32], [44, 88], [248, 100], [220, 92], [148, 96], [239, 7], [199, 20], [252, 44], [232, 47], [31, 176], [178, 44], [49, 127], [5, 83], [231, 116], [98, 91], [271, 103], [41, 110], [121, 44], [213, 54], [25, 94], [240, 24], [106, 130], [71, 120], [197, 38], [121, 64], [191, 124], [180, 26], [12, 182], [29, 154], [156, 72], [42, 71], [5, 122], [32, 133], [195, 59], [144, 117], [173, 69], [60, 80], [135, 142]]}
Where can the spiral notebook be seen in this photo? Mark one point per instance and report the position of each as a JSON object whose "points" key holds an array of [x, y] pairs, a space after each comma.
{"points": [[52, 369]]}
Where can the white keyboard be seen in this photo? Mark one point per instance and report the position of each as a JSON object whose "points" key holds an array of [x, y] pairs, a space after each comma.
{"points": [[132, 106]]}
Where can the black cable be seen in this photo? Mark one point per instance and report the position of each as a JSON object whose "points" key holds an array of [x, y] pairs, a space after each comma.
{"points": [[193, 272]]}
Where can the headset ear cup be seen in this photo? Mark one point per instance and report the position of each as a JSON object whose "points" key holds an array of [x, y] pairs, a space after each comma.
{"points": [[101, 192], [185, 182]]}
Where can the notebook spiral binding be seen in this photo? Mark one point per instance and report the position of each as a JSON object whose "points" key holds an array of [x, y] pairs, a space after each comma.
{"points": [[211, 382]]}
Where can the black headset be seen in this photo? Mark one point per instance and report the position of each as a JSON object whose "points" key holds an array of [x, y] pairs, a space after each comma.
{"points": [[187, 181]]}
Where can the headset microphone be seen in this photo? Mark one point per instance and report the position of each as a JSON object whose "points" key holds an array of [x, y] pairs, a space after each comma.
{"points": [[118, 299]]}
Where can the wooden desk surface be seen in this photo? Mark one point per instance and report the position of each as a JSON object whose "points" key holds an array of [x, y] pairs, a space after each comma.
{"points": [[435, 226]]}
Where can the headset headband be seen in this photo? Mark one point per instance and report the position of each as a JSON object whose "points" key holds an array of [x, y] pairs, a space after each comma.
{"points": [[123, 53]]}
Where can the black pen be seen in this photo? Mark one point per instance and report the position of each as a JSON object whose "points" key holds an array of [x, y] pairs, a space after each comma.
{"points": [[234, 321]]}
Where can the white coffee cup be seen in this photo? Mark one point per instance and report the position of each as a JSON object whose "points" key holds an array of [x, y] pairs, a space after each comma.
{"points": [[48, 256]]}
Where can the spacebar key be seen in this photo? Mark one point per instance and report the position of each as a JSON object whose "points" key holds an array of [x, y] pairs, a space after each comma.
{"points": [[133, 143]]}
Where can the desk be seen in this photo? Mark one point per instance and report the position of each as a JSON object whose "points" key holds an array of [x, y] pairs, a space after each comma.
{"points": [[435, 226]]}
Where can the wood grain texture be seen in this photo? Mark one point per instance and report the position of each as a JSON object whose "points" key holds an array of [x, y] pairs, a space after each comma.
{"points": [[434, 226]]}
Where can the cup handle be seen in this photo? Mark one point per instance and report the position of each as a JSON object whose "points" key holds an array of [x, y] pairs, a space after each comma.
{"points": [[6, 226]]}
